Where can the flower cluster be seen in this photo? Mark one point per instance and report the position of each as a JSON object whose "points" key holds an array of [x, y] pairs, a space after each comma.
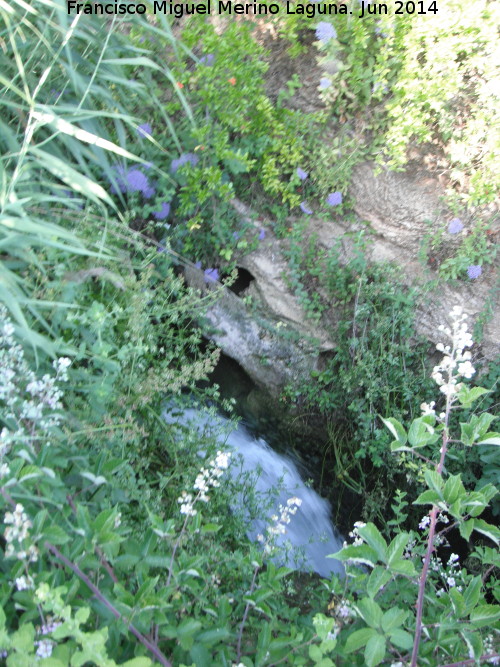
{"points": [[279, 521], [325, 32], [474, 271], [24, 583], [455, 226], [131, 180], [185, 158], [354, 534], [456, 361], [449, 574], [16, 535], [207, 478], [28, 403]]}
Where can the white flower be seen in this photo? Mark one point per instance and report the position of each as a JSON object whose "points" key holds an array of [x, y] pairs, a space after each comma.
{"points": [[466, 369], [428, 408], [23, 583], [44, 649], [424, 522]]}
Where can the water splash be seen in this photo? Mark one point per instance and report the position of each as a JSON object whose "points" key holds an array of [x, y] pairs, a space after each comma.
{"points": [[310, 536]]}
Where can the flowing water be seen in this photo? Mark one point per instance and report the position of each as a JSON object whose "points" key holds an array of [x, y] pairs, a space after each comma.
{"points": [[310, 533]]}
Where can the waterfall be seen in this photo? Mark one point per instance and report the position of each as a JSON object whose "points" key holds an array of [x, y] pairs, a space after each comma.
{"points": [[310, 532]]}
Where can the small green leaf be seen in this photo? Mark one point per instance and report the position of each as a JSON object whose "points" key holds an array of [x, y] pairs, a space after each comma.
{"points": [[357, 554], [401, 639], [396, 547], [453, 489], [466, 528], [377, 580], [375, 651], [402, 566], [372, 535], [467, 396], [485, 614], [492, 438], [370, 612], [428, 497], [393, 618], [487, 529], [56, 535], [210, 528], [421, 433], [458, 602], [358, 639], [434, 481], [396, 429], [472, 594]]}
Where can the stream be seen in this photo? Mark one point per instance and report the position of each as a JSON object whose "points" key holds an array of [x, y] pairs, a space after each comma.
{"points": [[310, 536]]}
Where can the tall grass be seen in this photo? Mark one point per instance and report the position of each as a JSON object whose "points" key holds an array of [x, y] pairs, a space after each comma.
{"points": [[72, 88]]}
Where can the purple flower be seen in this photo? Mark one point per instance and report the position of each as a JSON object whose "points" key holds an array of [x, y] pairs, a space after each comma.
{"points": [[182, 160], [145, 130], [304, 207], [455, 226], [334, 199], [136, 181], [163, 212], [208, 59], [211, 275], [325, 32], [198, 265], [149, 192], [474, 271], [262, 235], [324, 83], [302, 174], [236, 235]]}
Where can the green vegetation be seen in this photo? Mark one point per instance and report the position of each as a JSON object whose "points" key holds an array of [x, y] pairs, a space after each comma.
{"points": [[122, 145]]}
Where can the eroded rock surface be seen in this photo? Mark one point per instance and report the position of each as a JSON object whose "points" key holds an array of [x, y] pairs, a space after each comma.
{"points": [[266, 330]]}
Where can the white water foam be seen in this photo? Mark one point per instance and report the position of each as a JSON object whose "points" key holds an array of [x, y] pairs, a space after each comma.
{"points": [[310, 532]]}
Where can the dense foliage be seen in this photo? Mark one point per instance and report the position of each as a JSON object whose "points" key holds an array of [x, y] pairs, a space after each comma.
{"points": [[122, 145]]}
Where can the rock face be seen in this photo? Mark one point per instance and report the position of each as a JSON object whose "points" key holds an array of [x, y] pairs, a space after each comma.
{"points": [[265, 329]]}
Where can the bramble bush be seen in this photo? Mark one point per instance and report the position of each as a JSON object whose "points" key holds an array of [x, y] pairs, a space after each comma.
{"points": [[120, 542], [89, 575]]}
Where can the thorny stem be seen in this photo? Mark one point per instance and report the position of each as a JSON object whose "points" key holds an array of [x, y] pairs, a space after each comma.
{"points": [[471, 661], [430, 542], [144, 641]]}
